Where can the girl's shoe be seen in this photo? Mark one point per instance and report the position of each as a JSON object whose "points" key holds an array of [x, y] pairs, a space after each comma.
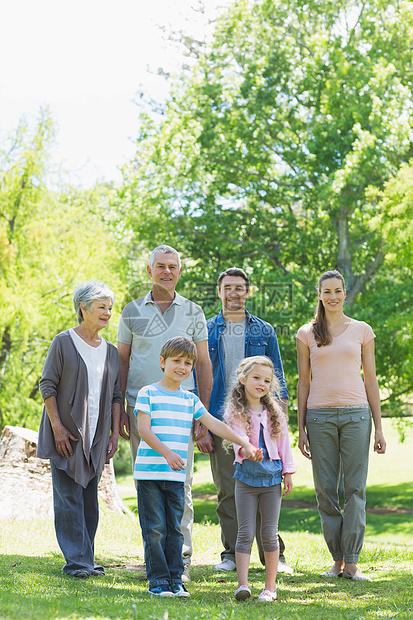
{"points": [[242, 593], [268, 597]]}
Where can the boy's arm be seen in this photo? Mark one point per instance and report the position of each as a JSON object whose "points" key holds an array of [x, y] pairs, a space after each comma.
{"points": [[223, 430], [174, 461]]}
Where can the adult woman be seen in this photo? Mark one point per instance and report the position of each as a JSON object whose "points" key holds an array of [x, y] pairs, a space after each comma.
{"points": [[333, 407], [79, 428]]}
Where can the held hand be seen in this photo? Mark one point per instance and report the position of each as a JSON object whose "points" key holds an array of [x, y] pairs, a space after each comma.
{"points": [[63, 437], [124, 428], [303, 444], [205, 445], [252, 453], [175, 461], [112, 446], [379, 442], [288, 484], [259, 455]]}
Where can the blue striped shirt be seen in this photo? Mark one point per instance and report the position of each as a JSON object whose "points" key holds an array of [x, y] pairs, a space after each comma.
{"points": [[171, 414]]}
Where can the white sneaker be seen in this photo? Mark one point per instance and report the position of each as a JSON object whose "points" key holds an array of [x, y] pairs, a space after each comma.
{"points": [[242, 593], [226, 565], [284, 568]]}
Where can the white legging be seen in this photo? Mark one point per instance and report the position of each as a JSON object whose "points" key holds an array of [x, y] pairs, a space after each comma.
{"points": [[247, 500]]}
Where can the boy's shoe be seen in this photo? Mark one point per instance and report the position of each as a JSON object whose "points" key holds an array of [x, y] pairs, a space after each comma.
{"points": [[179, 590], [226, 565], [162, 590], [268, 597], [242, 593]]}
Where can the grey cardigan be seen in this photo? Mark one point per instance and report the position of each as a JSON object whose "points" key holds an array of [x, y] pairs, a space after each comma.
{"points": [[65, 377]]}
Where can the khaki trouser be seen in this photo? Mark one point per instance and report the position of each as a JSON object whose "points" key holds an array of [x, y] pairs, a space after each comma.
{"points": [[188, 517], [340, 434]]}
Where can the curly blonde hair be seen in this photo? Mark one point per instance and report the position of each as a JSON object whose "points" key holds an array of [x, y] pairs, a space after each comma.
{"points": [[237, 405]]}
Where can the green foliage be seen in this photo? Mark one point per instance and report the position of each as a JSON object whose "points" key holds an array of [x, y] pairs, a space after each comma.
{"points": [[268, 154], [50, 241]]}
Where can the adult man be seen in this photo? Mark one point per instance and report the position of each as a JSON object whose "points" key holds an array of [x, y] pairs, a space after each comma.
{"points": [[234, 334], [144, 327]]}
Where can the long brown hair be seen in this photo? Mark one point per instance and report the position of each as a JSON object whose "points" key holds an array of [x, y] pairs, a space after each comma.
{"points": [[237, 404], [320, 328]]}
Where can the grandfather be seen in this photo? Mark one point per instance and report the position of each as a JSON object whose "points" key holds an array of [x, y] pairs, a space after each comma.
{"points": [[144, 327]]}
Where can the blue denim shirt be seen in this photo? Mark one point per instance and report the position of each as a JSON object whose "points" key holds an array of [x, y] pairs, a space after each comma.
{"points": [[260, 339], [266, 473]]}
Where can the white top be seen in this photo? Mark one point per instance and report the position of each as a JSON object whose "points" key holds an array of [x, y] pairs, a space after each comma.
{"points": [[335, 368], [94, 358], [172, 414], [144, 327]]}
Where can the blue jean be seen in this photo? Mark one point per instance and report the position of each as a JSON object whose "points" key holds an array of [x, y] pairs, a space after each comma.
{"points": [[76, 517], [340, 436], [160, 507]]}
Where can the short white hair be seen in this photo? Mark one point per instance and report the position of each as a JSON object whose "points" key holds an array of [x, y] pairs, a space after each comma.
{"points": [[87, 292], [164, 249]]}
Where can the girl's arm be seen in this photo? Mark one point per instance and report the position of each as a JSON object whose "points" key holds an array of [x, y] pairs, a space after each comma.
{"points": [[226, 432], [368, 363], [284, 449], [174, 461], [303, 390]]}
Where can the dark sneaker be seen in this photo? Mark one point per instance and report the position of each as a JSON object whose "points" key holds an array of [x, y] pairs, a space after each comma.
{"points": [[81, 574], [162, 590], [179, 590]]}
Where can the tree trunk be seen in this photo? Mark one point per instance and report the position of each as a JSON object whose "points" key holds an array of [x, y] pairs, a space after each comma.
{"points": [[26, 481]]}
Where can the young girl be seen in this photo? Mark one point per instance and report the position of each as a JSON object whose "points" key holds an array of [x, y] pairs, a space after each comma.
{"points": [[252, 411]]}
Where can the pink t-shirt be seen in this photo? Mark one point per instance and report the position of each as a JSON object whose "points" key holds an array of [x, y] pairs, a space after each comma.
{"points": [[335, 369]]}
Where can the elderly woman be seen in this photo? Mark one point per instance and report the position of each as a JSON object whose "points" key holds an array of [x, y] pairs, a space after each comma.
{"points": [[79, 428]]}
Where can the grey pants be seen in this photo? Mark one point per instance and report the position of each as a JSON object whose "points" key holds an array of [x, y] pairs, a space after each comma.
{"points": [[223, 468], [340, 434], [247, 500], [188, 518]]}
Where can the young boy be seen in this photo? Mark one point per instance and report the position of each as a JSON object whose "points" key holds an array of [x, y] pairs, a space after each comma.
{"points": [[165, 414]]}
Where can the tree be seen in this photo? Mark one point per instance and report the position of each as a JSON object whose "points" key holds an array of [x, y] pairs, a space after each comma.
{"points": [[266, 154], [50, 241]]}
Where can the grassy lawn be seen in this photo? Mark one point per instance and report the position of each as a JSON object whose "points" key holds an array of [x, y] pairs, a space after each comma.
{"points": [[32, 586]]}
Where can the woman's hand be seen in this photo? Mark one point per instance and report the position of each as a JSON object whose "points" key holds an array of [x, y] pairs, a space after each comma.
{"points": [[379, 442], [303, 444], [288, 484], [62, 439]]}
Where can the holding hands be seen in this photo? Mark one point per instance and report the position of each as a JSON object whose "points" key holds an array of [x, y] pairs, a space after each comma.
{"points": [[252, 453]]}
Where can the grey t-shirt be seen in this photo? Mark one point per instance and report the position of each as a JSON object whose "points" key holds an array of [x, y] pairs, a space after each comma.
{"points": [[233, 339], [143, 326]]}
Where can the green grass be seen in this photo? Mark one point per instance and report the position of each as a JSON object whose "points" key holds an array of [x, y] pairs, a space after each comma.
{"points": [[32, 586]]}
